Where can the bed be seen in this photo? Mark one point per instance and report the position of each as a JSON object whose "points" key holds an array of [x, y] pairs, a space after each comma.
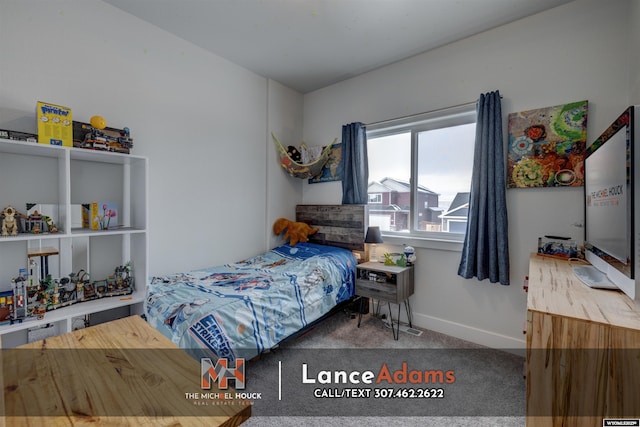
{"points": [[243, 309]]}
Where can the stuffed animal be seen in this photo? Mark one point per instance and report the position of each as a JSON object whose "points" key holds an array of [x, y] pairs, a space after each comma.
{"points": [[296, 231], [294, 153]]}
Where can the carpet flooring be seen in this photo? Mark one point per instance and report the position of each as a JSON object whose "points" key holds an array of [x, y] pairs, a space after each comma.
{"points": [[488, 388]]}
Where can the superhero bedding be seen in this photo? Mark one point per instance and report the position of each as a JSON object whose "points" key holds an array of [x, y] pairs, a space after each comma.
{"points": [[245, 308]]}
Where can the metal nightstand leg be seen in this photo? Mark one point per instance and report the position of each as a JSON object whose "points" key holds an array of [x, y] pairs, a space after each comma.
{"points": [[407, 307], [396, 331]]}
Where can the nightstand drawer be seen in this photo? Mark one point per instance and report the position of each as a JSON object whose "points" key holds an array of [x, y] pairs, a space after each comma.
{"points": [[377, 290], [377, 276]]}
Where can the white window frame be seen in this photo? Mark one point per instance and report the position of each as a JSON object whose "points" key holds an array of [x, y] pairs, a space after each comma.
{"points": [[453, 116], [378, 201]]}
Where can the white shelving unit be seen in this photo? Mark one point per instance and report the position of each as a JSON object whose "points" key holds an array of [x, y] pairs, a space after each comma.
{"points": [[66, 178]]}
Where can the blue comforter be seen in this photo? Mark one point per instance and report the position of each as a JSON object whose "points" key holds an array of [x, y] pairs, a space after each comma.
{"points": [[245, 308]]}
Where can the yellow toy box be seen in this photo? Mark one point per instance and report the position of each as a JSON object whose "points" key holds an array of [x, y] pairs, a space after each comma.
{"points": [[54, 124], [100, 215]]}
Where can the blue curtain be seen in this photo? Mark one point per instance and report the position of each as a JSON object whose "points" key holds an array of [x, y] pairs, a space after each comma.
{"points": [[355, 165], [485, 253]]}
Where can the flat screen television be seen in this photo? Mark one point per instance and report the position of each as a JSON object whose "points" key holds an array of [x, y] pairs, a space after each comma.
{"points": [[612, 194]]}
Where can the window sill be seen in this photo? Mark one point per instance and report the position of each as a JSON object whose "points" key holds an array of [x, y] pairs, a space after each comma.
{"points": [[423, 242]]}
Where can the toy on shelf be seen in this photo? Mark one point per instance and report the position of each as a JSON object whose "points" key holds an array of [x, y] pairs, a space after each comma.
{"points": [[99, 215], [18, 136], [54, 124], [19, 288], [21, 301], [6, 306], [98, 122], [95, 135], [51, 226], [80, 280], [122, 281], [39, 218], [31, 297], [14, 222], [10, 222], [34, 291], [34, 223]]}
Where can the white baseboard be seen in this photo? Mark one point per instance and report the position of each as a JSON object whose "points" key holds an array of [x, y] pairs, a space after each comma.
{"points": [[459, 330], [470, 333]]}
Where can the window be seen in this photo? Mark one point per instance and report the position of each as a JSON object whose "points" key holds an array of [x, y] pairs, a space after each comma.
{"points": [[375, 198], [420, 173]]}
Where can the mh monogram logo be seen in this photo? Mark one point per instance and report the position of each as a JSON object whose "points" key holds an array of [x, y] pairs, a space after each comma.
{"points": [[221, 372]]}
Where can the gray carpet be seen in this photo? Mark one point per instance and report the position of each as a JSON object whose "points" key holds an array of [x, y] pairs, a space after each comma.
{"points": [[489, 388]]}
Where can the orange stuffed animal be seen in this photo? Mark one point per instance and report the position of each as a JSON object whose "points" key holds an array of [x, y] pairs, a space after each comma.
{"points": [[296, 231]]}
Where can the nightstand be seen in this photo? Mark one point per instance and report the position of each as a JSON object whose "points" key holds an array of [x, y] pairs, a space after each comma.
{"points": [[390, 283]]}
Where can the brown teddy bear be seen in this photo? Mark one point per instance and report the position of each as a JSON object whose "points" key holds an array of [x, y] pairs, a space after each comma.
{"points": [[296, 231]]}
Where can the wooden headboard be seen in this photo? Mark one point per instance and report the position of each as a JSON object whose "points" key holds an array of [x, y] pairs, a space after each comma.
{"points": [[343, 226]]}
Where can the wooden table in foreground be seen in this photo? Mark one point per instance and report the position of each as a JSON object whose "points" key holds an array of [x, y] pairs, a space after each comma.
{"points": [[118, 373], [583, 350]]}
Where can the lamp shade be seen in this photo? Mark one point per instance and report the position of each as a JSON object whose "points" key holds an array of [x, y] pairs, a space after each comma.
{"points": [[373, 235]]}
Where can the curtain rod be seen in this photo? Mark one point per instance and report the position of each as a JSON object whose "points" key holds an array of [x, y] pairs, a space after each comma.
{"points": [[437, 110]]}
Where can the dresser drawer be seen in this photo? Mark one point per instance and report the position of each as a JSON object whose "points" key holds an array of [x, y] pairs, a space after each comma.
{"points": [[377, 290]]}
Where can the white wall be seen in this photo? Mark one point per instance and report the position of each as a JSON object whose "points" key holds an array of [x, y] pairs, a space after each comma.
{"points": [[200, 119], [574, 52], [283, 191], [634, 52]]}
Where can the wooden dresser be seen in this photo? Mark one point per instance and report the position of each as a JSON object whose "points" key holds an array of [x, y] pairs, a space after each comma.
{"points": [[583, 349]]}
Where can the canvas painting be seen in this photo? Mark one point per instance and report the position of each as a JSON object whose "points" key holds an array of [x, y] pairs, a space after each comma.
{"points": [[547, 146], [332, 170]]}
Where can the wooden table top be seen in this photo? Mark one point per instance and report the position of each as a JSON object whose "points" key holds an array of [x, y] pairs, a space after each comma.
{"points": [[554, 289], [122, 372]]}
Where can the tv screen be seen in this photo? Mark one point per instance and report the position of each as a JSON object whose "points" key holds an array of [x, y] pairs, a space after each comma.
{"points": [[607, 189], [609, 203]]}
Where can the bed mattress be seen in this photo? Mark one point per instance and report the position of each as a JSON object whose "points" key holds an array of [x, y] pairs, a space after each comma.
{"points": [[242, 309]]}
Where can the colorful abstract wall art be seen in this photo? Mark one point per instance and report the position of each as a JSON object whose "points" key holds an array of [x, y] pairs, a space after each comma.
{"points": [[547, 146]]}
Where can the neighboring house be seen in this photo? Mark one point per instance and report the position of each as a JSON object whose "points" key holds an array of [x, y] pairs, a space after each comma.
{"points": [[389, 206], [454, 220]]}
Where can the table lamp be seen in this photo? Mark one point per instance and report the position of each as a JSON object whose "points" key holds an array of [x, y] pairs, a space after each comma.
{"points": [[373, 237]]}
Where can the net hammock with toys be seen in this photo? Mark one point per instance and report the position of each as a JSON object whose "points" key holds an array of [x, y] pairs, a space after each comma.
{"points": [[303, 162]]}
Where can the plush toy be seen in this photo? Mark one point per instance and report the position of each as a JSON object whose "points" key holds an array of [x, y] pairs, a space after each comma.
{"points": [[296, 231], [294, 153]]}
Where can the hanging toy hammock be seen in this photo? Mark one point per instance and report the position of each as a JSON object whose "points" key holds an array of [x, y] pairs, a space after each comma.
{"points": [[303, 162]]}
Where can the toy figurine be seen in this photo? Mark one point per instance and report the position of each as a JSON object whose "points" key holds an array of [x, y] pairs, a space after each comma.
{"points": [[51, 226], [79, 279], [34, 223], [19, 297], [9, 222], [410, 254], [67, 290]]}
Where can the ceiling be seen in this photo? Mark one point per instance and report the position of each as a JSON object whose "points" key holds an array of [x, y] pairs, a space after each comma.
{"points": [[310, 44]]}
